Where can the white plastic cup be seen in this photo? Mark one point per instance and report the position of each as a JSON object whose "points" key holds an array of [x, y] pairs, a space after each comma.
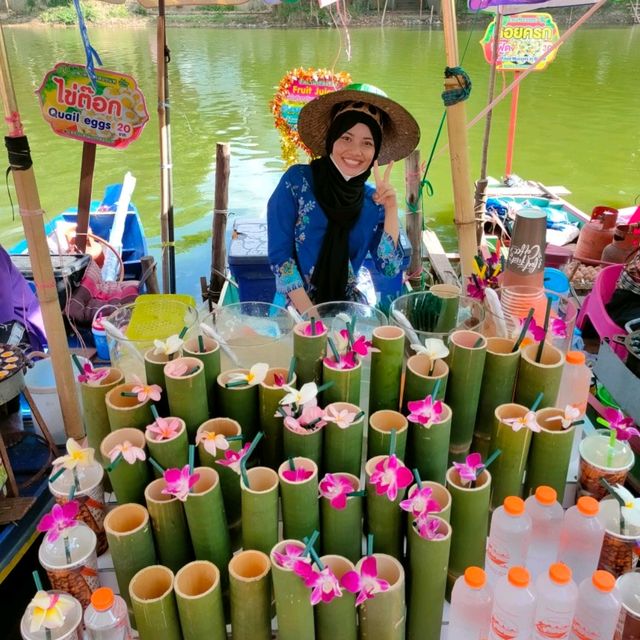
{"points": [[597, 608], [471, 604], [557, 595], [514, 606]]}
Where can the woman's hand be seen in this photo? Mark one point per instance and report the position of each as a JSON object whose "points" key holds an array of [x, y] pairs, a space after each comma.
{"points": [[385, 194]]}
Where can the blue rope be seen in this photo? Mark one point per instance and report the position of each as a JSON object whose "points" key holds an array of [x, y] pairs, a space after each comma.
{"points": [[90, 52], [453, 96]]}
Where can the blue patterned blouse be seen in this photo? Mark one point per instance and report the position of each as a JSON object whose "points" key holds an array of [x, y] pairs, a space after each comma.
{"points": [[296, 227]]}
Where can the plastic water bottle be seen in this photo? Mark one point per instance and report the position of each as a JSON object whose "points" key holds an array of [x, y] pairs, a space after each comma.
{"points": [[581, 538], [557, 595], [471, 604], [106, 618], [546, 519], [597, 609], [575, 382], [514, 606], [508, 538]]}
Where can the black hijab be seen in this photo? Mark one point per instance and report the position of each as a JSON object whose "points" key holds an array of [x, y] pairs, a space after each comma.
{"points": [[341, 201]]}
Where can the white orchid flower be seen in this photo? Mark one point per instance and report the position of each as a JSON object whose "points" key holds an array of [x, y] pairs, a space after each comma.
{"points": [[631, 508], [571, 414], [256, 374], [171, 345], [300, 396], [434, 348]]}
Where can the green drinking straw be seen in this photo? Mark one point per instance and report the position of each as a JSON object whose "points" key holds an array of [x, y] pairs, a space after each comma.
{"points": [[436, 388], [491, 458], [292, 464], [416, 475], [309, 542], [117, 460], [357, 494], [333, 348], [233, 438], [537, 401], [67, 550], [545, 328], [243, 462], [72, 492], [201, 343], [370, 544], [236, 383], [325, 386], [154, 411], [392, 443], [350, 326], [77, 362], [292, 368], [183, 332], [76, 482], [358, 415], [523, 331], [128, 394], [281, 411], [315, 558], [57, 474], [313, 325], [478, 342], [156, 465], [192, 451], [36, 579]]}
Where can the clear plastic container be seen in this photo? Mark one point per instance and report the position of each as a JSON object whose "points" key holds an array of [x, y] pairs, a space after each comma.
{"points": [[106, 618], [557, 595], [546, 519], [471, 604], [514, 606], [581, 538], [575, 382], [597, 609], [509, 538]]}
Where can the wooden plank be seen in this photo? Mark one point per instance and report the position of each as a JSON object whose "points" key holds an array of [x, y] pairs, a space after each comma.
{"points": [[438, 258], [13, 509]]}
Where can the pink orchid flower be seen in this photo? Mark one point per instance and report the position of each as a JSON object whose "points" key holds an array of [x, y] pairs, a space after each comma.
{"points": [[310, 414], [428, 528], [319, 327], [92, 376], [292, 554], [279, 380], [164, 428], [623, 426], [347, 361], [470, 468], [61, 517], [476, 287], [335, 489], [366, 582], [212, 442], [179, 482], [420, 503], [364, 347], [323, 584], [558, 328], [232, 459], [389, 476], [299, 474], [176, 368], [343, 418], [534, 330], [129, 452], [527, 421], [146, 391], [426, 412]]}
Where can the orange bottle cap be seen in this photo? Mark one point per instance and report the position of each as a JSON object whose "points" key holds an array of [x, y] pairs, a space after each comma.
{"points": [[475, 577], [576, 357], [102, 599], [513, 505], [546, 495], [525, 342], [560, 573], [518, 577], [603, 580], [588, 506]]}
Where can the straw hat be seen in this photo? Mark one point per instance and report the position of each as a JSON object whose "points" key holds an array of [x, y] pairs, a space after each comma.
{"points": [[400, 131]]}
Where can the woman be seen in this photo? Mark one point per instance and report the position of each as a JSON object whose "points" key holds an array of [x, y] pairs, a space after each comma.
{"points": [[323, 218]]}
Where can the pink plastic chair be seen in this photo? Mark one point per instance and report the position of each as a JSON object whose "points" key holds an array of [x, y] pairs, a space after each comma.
{"points": [[593, 307]]}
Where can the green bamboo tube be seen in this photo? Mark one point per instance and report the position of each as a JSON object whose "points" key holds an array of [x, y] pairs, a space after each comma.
{"points": [[338, 619], [383, 616], [124, 411], [440, 494], [508, 469], [342, 448], [208, 523], [169, 526], [549, 453], [300, 507], [238, 403], [381, 423], [199, 600], [420, 379], [128, 480], [269, 396], [429, 560], [210, 359], [293, 607], [154, 604], [342, 528], [154, 372], [187, 393], [469, 522], [131, 544], [448, 317], [466, 363], [309, 352], [250, 591], [498, 383], [386, 368], [535, 377], [346, 384], [383, 516], [304, 443], [173, 452], [430, 447], [260, 509]]}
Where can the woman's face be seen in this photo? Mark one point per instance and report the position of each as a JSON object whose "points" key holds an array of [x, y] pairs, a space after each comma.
{"points": [[353, 151]]}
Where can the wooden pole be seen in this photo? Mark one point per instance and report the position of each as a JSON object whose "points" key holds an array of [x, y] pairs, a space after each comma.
{"points": [[84, 195], [32, 221], [414, 215], [220, 213], [456, 127], [149, 267], [513, 119]]}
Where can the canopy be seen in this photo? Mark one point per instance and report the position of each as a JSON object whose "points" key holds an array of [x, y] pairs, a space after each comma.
{"points": [[519, 6]]}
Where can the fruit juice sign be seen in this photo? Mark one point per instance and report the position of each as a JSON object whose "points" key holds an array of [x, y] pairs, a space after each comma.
{"points": [[112, 114], [524, 37], [300, 92]]}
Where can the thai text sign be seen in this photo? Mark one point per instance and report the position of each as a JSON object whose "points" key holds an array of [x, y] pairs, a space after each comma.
{"points": [[112, 114], [524, 38], [299, 93]]}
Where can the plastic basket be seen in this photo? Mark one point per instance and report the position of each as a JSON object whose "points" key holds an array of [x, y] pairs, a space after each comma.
{"points": [[159, 315]]}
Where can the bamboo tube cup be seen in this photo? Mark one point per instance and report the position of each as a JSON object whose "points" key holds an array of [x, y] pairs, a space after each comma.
{"points": [[260, 509], [439, 493], [250, 591], [381, 424], [128, 480], [207, 522], [466, 363], [269, 396], [346, 384], [342, 448], [383, 617], [535, 377], [338, 619], [172, 452], [124, 411], [238, 403], [305, 443], [549, 453], [498, 383], [420, 380], [169, 526], [386, 368], [300, 506], [430, 447], [210, 359], [187, 394], [154, 371], [293, 607], [308, 351], [154, 604], [199, 600]]}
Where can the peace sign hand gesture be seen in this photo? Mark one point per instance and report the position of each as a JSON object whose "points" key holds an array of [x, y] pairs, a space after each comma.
{"points": [[385, 194]]}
